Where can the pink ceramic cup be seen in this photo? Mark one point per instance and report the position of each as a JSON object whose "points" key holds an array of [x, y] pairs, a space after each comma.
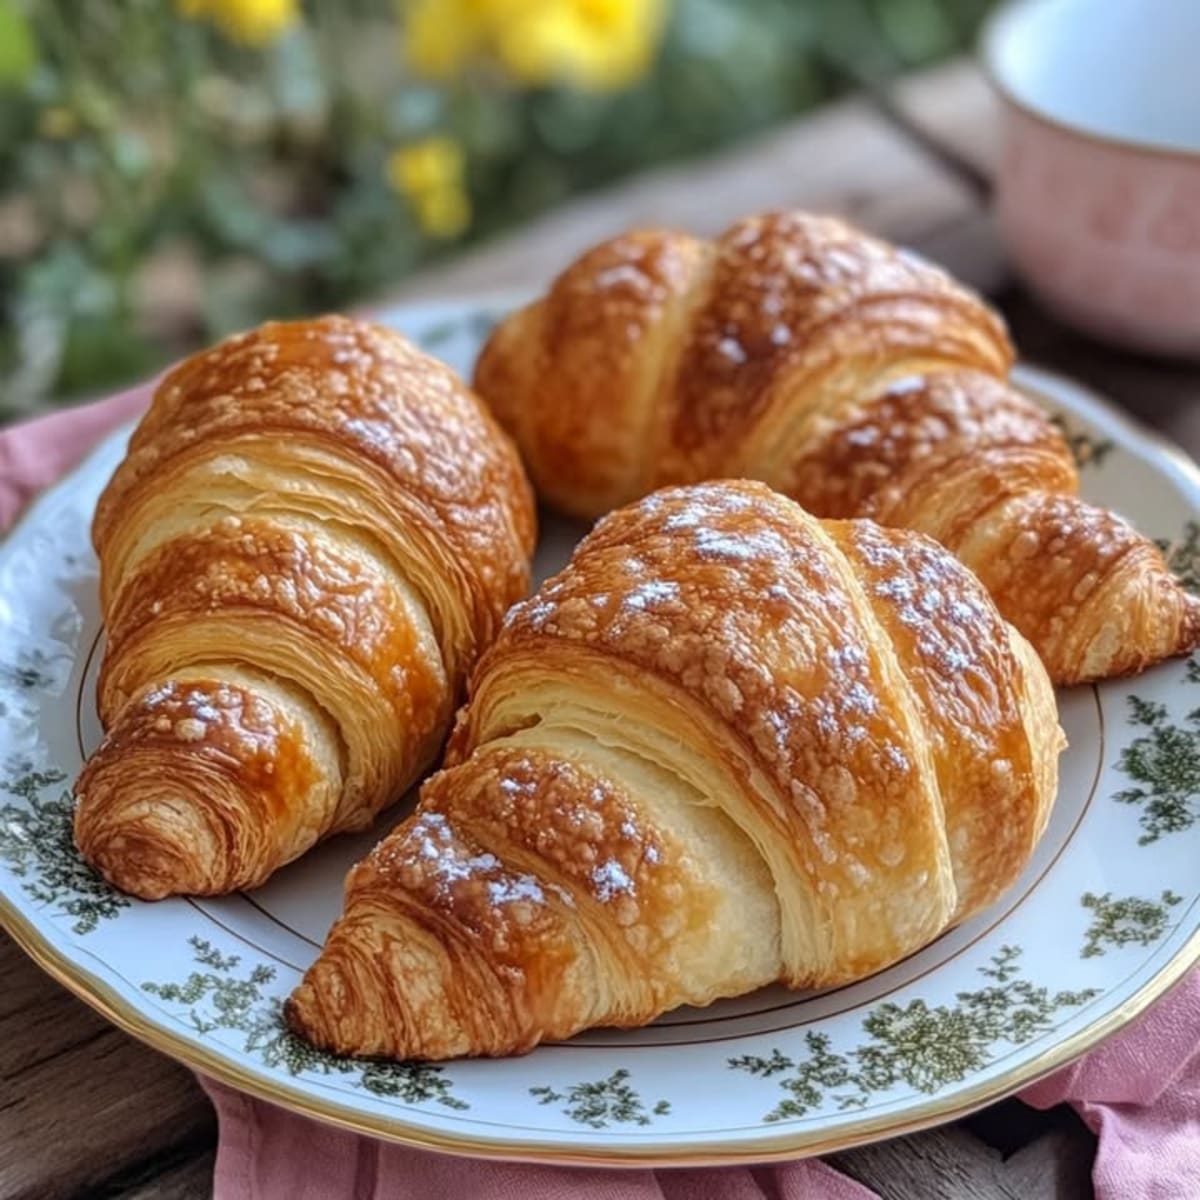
{"points": [[1098, 192]]}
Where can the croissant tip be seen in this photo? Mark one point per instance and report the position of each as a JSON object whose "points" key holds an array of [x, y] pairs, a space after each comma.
{"points": [[306, 1016], [149, 854], [293, 1014], [338, 1008]]}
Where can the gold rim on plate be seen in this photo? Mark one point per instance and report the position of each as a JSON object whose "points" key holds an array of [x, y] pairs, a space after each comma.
{"points": [[801, 1143]]}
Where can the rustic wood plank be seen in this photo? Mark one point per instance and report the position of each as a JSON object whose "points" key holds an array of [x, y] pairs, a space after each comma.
{"points": [[846, 158], [191, 1179], [96, 1113], [940, 1164], [1057, 1166], [38, 1019], [1009, 1125], [954, 107], [1054, 1144], [950, 1163], [81, 1101]]}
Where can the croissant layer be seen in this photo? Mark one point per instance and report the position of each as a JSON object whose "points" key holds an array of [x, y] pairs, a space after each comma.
{"points": [[854, 377], [314, 534], [729, 744]]}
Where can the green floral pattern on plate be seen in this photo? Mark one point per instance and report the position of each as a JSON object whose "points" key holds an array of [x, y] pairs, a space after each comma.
{"points": [[601, 1102], [924, 1046], [218, 999], [1164, 763], [1183, 556], [1129, 920], [37, 841], [1087, 449]]}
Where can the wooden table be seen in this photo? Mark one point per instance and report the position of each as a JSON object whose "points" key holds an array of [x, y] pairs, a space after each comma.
{"points": [[85, 1111]]}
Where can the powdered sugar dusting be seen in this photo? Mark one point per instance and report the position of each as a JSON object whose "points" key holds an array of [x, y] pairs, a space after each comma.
{"points": [[511, 888], [732, 349], [907, 385], [741, 547], [517, 787], [538, 610], [930, 596], [379, 435], [651, 594], [610, 880], [429, 854], [700, 504], [621, 273]]}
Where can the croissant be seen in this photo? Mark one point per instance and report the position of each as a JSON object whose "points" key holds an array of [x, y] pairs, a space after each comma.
{"points": [[852, 376], [315, 532], [729, 744]]}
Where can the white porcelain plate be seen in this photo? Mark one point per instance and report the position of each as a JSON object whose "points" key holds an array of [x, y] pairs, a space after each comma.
{"points": [[1104, 919]]}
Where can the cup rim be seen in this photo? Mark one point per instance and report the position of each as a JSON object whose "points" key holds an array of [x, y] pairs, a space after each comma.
{"points": [[993, 29]]}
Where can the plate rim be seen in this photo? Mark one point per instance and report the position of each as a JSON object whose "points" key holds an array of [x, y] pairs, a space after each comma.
{"points": [[58, 962], [105, 1000]]}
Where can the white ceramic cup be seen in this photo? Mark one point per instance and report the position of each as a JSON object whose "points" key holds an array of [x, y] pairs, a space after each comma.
{"points": [[1098, 192]]}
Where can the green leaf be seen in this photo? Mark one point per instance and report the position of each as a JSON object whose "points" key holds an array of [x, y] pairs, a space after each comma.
{"points": [[916, 29], [103, 350], [18, 51]]}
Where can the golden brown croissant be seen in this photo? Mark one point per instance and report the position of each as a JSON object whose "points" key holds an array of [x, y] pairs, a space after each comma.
{"points": [[315, 532], [723, 718], [850, 375]]}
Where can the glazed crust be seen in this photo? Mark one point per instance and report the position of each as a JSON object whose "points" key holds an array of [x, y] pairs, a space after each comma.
{"points": [[852, 376], [723, 716], [314, 533]]}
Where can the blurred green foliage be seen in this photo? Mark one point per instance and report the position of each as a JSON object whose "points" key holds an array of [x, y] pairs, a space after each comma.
{"points": [[161, 185]]}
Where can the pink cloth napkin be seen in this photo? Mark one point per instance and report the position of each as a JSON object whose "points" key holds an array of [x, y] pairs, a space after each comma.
{"points": [[1140, 1092]]}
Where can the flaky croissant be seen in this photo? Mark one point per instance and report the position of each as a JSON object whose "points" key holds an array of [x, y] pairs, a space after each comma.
{"points": [[850, 375], [728, 744], [316, 530]]}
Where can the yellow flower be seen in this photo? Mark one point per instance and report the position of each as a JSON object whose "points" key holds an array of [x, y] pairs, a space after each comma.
{"points": [[443, 212], [441, 36], [593, 43], [252, 23], [431, 163], [57, 122], [430, 173]]}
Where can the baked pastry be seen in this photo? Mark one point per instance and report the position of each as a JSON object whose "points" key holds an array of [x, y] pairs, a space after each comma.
{"points": [[852, 376], [723, 716], [316, 530]]}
